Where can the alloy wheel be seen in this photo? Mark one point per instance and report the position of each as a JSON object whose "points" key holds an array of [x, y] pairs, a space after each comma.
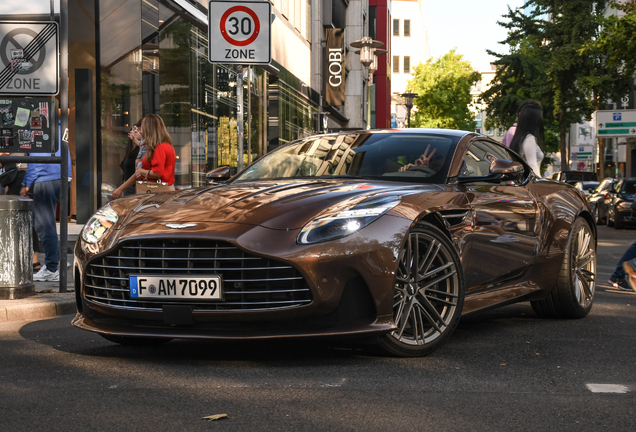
{"points": [[427, 290], [584, 266]]}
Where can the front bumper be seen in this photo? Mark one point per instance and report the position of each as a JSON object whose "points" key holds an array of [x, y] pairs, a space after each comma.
{"points": [[350, 281]]}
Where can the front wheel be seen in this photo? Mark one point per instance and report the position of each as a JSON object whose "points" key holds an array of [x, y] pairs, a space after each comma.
{"points": [[573, 295], [428, 295]]}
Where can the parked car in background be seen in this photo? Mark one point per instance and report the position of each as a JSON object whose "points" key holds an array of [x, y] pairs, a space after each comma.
{"points": [[572, 177], [600, 198], [619, 211], [587, 187]]}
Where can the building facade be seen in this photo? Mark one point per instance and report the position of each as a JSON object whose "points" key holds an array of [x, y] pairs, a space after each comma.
{"points": [[409, 47]]}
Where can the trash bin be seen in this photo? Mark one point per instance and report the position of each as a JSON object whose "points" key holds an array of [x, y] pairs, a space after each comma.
{"points": [[16, 247]]}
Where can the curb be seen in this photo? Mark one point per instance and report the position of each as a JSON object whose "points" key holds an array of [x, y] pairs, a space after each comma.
{"points": [[38, 306]]}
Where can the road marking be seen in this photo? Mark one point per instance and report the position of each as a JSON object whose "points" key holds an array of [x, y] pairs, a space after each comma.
{"points": [[608, 388]]}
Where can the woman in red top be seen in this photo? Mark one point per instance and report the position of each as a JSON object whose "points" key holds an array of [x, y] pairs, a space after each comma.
{"points": [[160, 158]]}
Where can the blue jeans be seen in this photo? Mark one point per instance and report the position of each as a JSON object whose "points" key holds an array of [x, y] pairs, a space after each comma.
{"points": [[46, 196], [627, 256]]}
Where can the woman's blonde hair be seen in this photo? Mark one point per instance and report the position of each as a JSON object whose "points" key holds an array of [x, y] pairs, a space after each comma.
{"points": [[154, 132]]}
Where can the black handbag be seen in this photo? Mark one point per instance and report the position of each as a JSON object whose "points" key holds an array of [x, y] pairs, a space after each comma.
{"points": [[9, 175]]}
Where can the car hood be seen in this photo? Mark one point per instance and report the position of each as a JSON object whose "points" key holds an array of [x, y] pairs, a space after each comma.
{"points": [[288, 204]]}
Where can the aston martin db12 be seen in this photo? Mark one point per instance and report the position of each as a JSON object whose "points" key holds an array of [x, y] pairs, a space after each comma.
{"points": [[387, 236]]}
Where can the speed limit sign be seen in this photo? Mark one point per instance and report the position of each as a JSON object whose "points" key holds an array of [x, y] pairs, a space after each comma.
{"points": [[239, 32]]}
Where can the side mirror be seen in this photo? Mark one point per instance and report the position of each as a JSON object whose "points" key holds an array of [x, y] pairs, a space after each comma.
{"points": [[506, 168], [218, 174]]}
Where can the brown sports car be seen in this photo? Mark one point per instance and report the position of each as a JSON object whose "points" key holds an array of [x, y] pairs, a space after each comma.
{"points": [[388, 236]]}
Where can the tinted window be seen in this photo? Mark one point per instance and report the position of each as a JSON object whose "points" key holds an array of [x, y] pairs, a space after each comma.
{"points": [[480, 155], [391, 156], [629, 186]]}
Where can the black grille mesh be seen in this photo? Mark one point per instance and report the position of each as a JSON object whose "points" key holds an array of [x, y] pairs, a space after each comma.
{"points": [[249, 282]]}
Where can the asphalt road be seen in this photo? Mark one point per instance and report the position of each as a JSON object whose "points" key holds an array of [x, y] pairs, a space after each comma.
{"points": [[503, 370]]}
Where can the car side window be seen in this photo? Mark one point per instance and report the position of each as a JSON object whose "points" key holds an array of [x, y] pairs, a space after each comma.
{"points": [[480, 155]]}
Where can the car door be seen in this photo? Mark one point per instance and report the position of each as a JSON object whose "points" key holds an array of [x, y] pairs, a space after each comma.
{"points": [[504, 240]]}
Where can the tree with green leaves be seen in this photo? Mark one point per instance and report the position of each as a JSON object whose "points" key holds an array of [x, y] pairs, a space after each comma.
{"points": [[443, 92], [550, 60]]}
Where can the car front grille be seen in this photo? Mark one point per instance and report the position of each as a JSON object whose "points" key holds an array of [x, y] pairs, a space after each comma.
{"points": [[249, 282]]}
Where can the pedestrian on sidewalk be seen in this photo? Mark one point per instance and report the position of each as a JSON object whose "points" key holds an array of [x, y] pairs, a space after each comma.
{"points": [[158, 164], [528, 137], [129, 163], [44, 181]]}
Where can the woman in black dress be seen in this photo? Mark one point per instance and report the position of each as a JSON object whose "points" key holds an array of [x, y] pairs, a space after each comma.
{"points": [[128, 163]]}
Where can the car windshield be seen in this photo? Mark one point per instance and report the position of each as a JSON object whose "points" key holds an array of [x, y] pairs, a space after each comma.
{"points": [[399, 156]]}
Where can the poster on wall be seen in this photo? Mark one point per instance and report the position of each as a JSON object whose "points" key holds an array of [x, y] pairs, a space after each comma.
{"points": [[26, 125], [335, 65]]}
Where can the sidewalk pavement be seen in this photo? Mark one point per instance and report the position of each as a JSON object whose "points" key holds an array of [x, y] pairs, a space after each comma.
{"points": [[47, 302]]}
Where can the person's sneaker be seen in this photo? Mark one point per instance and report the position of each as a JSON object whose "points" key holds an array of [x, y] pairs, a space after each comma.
{"points": [[630, 269], [619, 284], [44, 275]]}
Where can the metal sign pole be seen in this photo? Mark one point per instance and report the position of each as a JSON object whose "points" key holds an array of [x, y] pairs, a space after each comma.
{"points": [[64, 153], [239, 114]]}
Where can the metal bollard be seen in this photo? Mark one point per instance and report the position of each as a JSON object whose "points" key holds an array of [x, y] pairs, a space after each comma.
{"points": [[16, 247]]}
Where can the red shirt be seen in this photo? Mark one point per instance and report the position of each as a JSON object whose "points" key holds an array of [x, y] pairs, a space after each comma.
{"points": [[162, 163]]}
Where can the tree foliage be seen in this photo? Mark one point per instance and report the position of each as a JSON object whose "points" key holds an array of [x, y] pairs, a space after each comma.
{"points": [[443, 89], [552, 59]]}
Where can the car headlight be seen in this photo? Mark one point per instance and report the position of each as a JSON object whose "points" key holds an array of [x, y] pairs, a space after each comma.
{"points": [[348, 221], [101, 222], [624, 206]]}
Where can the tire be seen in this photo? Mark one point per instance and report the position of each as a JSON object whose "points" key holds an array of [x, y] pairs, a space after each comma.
{"points": [[610, 222], [617, 222], [573, 295], [428, 295], [597, 215], [135, 341]]}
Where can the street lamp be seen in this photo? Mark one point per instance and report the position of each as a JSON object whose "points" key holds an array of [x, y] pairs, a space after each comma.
{"points": [[369, 50], [408, 101]]}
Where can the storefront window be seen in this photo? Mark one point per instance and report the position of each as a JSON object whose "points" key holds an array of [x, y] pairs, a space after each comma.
{"points": [[161, 67]]}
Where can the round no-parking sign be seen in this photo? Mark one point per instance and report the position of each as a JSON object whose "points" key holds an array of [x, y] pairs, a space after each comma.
{"points": [[239, 32]]}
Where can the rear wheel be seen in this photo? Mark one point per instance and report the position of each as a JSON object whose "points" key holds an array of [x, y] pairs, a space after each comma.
{"points": [[134, 340], [573, 295], [597, 215], [428, 295]]}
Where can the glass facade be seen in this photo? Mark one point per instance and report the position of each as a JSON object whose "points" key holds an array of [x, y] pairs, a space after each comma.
{"points": [[149, 57], [166, 72]]}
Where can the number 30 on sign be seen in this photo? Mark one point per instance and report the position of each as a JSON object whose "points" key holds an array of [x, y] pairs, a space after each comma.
{"points": [[239, 32]]}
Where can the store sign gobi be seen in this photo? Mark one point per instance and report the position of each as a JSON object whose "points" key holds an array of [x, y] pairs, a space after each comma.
{"points": [[239, 32], [335, 67]]}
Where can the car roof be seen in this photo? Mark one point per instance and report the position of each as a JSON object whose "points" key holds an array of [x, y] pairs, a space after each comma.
{"points": [[423, 131]]}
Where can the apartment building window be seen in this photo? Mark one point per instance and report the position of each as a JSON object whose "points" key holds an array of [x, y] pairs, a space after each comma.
{"points": [[407, 64], [396, 27], [396, 64], [407, 28]]}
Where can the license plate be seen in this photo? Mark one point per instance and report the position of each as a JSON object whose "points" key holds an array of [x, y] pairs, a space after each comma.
{"points": [[176, 287]]}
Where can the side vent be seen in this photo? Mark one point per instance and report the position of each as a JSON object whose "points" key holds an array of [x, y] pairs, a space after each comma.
{"points": [[454, 217]]}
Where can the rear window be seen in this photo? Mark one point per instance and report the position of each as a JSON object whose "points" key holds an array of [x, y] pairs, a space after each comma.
{"points": [[628, 187]]}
